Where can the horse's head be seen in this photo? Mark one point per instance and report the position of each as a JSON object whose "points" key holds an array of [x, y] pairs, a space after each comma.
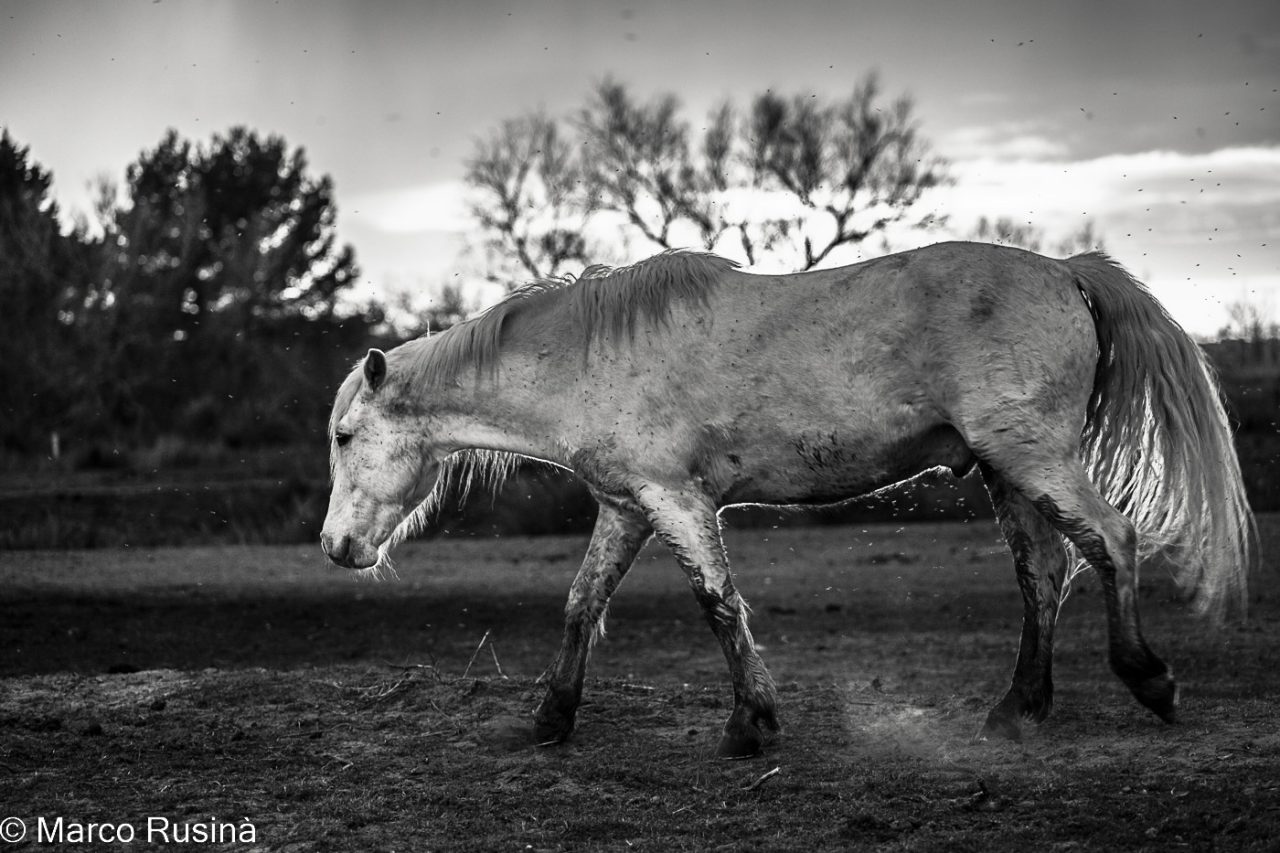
{"points": [[383, 467]]}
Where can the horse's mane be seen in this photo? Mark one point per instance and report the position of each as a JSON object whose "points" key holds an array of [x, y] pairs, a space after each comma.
{"points": [[601, 303]]}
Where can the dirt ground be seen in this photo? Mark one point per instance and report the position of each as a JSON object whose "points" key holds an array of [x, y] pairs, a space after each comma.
{"points": [[257, 687]]}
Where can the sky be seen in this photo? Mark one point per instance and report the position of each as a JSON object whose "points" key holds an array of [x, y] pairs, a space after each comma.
{"points": [[1158, 121]]}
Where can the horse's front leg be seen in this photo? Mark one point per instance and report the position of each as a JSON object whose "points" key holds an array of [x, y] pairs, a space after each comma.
{"points": [[687, 523], [619, 535]]}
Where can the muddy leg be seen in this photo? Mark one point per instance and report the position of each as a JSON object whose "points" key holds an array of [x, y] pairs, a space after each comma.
{"points": [[1040, 560], [688, 525], [1065, 496], [617, 539]]}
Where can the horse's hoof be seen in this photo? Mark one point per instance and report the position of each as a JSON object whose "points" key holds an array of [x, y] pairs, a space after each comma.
{"points": [[748, 729], [551, 726], [1160, 694], [1001, 727], [739, 745], [549, 736]]}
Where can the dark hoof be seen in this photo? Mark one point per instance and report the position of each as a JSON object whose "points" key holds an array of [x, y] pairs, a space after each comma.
{"points": [[746, 733], [1160, 694], [553, 723], [742, 744], [1001, 726], [550, 734], [1005, 720]]}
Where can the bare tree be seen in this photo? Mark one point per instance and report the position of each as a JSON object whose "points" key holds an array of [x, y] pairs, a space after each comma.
{"points": [[859, 162], [647, 167], [529, 198], [790, 171], [638, 156], [1006, 232], [1250, 321]]}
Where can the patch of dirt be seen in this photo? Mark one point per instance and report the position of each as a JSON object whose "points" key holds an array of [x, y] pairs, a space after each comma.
{"points": [[250, 685]]}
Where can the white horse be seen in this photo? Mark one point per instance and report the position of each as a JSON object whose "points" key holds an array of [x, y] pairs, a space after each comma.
{"points": [[680, 385]]}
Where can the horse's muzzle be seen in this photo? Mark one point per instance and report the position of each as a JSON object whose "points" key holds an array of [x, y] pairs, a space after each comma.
{"points": [[344, 551]]}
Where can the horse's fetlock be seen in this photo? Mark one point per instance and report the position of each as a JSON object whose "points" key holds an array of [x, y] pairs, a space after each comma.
{"points": [[1039, 712], [1159, 694], [1136, 664], [767, 716], [1036, 702]]}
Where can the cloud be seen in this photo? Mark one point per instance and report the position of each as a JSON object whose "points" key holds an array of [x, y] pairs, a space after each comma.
{"points": [[439, 207], [984, 98], [1014, 140], [1180, 195]]}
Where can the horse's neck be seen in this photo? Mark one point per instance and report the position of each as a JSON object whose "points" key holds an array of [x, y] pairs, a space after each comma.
{"points": [[476, 431], [507, 411]]}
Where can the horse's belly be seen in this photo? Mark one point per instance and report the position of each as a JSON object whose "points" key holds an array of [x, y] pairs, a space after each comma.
{"points": [[825, 467]]}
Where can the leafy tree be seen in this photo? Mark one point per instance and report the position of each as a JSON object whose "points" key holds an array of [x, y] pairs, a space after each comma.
{"points": [[219, 268], [791, 174], [238, 230], [38, 374], [211, 306]]}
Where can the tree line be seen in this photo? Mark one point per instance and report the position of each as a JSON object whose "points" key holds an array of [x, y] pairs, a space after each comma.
{"points": [[205, 298], [795, 181]]}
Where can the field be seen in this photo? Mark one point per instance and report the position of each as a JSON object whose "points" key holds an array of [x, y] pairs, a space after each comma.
{"points": [[257, 686]]}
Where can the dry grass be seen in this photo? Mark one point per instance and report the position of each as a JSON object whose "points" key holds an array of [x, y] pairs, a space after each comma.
{"points": [[375, 717]]}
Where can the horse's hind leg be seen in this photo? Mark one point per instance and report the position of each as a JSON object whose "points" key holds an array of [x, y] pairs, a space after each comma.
{"points": [[687, 524], [1064, 495], [619, 535], [1040, 560]]}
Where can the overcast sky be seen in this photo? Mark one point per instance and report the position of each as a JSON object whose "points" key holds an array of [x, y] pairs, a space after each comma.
{"points": [[1160, 121]]}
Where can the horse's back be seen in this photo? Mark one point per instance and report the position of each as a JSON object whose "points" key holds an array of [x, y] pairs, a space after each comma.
{"points": [[942, 323], [824, 385]]}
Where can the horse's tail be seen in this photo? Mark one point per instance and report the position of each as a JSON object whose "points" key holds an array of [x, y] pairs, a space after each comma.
{"points": [[1157, 442]]}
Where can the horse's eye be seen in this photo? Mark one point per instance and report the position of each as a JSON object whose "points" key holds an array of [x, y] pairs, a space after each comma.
{"points": [[342, 438]]}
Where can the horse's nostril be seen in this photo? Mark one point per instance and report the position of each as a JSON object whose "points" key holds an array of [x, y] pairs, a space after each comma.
{"points": [[336, 547]]}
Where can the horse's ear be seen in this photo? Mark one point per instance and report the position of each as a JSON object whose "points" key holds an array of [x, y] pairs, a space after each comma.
{"points": [[375, 368]]}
